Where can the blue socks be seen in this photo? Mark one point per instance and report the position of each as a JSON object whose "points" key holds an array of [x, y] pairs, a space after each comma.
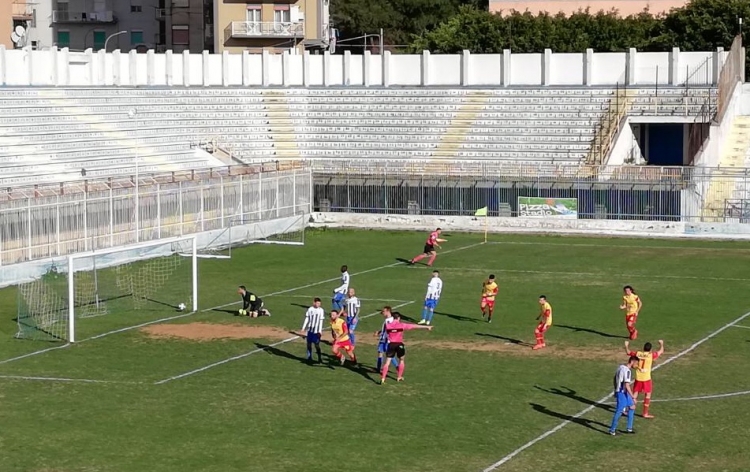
{"points": [[631, 418]]}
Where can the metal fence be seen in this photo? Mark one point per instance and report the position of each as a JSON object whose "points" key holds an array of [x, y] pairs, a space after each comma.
{"points": [[39, 223], [461, 187]]}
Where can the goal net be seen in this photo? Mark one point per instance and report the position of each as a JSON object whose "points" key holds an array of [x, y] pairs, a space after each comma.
{"points": [[110, 290], [241, 232]]}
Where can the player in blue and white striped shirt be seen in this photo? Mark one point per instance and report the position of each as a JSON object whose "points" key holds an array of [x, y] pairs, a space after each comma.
{"points": [[352, 313], [624, 395], [434, 289], [339, 293], [313, 329]]}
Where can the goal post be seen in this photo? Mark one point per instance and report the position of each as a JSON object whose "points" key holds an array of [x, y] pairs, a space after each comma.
{"points": [[126, 286], [240, 232]]}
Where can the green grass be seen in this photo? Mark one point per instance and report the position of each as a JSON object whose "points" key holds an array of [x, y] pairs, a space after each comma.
{"points": [[471, 396]]}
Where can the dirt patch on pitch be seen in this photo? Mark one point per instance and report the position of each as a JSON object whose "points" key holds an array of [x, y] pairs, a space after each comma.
{"points": [[214, 331], [524, 349]]}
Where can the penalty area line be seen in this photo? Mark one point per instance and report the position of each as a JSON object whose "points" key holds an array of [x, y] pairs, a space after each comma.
{"points": [[602, 401], [61, 379], [741, 326], [699, 397], [362, 299], [254, 351], [184, 315]]}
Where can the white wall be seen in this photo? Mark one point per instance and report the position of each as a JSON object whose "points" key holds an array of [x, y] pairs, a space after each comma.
{"points": [[62, 67]]}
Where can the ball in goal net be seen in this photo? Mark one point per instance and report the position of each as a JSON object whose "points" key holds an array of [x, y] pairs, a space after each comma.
{"points": [[130, 285]]}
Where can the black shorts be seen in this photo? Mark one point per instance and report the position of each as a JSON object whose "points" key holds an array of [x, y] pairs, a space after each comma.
{"points": [[256, 305], [395, 350], [428, 248]]}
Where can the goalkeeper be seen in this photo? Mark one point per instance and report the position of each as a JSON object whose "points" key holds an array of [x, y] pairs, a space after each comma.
{"points": [[252, 305]]}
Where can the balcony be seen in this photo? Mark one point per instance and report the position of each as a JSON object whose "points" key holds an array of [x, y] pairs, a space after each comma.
{"points": [[252, 29], [21, 11], [64, 16]]}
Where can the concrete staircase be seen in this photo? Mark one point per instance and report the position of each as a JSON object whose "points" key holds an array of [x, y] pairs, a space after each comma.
{"points": [[281, 125], [609, 126], [461, 125], [733, 156]]}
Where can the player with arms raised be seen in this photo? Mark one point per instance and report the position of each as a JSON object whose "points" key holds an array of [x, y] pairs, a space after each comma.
{"points": [[395, 331], [434, 289], [643, 382], [341, 338], [545, 321], [433, 240], [489, 291], [632, 305]]}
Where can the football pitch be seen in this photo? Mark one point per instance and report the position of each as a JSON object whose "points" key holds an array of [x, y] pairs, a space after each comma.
{"points": [[213, 392]]}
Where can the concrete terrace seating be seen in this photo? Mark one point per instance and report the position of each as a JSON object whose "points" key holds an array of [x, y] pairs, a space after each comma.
{"points": [[48, 132]]}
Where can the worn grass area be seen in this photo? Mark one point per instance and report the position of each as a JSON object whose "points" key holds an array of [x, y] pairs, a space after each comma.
{"points": [[474, 392]]}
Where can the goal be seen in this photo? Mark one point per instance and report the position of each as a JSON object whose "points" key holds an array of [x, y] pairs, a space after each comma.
{"points": [[241, 232], [110, 290]]}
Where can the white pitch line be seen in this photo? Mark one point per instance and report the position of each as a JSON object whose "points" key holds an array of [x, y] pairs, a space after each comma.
{"points": [[699, 397], [619, 246], [254, 351], [594, 274], [184, 315], [58, 379], [604, 399], [740, 326]]}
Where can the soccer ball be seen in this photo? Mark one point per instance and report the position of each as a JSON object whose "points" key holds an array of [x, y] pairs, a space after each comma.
{"points": [[181, 307]]}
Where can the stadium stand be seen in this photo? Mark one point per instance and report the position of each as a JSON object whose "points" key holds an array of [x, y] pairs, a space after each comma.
{"points": [[735, 155], [65, 133]]}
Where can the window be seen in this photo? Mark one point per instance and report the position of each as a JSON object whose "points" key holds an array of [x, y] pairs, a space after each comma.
{"points": [[136, 9], [63, 39], [100, 37], [180, 35], [253, 14], [136, 38], [281, 14]]}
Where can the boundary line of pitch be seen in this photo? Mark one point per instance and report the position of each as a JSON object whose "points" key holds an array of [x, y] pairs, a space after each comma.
{"points": [[612, 238], [254, 351], [603, 400], [184, 315]]}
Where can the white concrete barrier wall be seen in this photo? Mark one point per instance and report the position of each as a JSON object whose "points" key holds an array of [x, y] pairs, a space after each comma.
{"points": [[55, 67], [634, 228]]}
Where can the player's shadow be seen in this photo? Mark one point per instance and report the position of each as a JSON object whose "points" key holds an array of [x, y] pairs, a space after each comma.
{"points": [[223, 310], [591, 424], [300, 305], [458, 317], [503, 338], [358, 368], [592, 331], [288, 355], [572, 394], [403, 261]]}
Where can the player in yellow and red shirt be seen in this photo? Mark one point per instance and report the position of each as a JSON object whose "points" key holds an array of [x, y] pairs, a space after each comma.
{"points": [[489, 291], [433, 240], [643, 383], [341, 338], [545, 321], [632, 305]]}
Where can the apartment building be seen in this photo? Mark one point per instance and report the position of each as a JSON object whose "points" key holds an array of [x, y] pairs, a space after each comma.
{"points": [[32, 16], [127, 25], [273, 25]]}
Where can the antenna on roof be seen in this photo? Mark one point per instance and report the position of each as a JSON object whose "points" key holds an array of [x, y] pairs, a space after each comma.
{"points": [[18, 36]]}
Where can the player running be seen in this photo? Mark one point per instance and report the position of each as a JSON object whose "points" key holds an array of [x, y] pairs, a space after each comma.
{"points": [[313, 329], [352, 313], [433, 240], [632, 305], [341, 338], [252, 305], [339, 293], [434, 288], [643, 383], [545, 321], [489, 291], [624, 395], [395, 331], [383, 339]]}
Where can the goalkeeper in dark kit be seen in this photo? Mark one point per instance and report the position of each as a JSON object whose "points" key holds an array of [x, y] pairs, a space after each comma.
{"points": [[252, 305]]}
